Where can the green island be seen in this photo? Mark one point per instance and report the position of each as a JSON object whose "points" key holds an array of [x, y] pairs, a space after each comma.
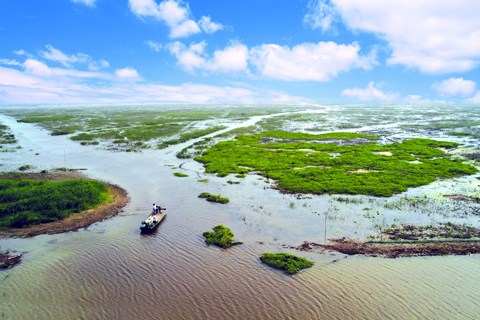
{"points": [[286, 262], [335, 163], [221, 237], [214, 197], [28, 202]]}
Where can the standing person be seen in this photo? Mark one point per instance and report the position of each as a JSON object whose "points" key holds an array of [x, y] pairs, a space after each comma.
{"points": [[154, 210]]}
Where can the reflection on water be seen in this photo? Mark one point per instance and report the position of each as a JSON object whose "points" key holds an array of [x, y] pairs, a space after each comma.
{"points": [[110, 271]]}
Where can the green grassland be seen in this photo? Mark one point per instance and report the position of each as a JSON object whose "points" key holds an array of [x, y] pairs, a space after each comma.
{"points": [[26, 202], [221, 237], [132, 129], [335, 163], [288, 263]]}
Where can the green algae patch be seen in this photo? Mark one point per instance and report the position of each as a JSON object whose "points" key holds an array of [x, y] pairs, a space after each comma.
{"points": [[221, 237], [214, 197], [335, 163], [27, 202], [286, 262]]}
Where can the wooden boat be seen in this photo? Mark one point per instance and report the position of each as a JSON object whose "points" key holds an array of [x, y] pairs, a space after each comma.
{"points": [[152, 222]]}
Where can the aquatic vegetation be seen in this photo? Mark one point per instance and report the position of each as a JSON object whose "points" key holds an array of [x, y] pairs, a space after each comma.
{"points": [[180, 174], [233, 182], [221, 237], [335, 163], [202, 180], [125, 126], [286, 262], [25, 167], [25, 202], [214, 197]]}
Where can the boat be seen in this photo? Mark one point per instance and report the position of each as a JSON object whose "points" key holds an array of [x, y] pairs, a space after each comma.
{"points": [[153, 220]]}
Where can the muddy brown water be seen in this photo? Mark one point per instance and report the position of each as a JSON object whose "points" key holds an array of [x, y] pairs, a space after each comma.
{"points": [[111, 271]]}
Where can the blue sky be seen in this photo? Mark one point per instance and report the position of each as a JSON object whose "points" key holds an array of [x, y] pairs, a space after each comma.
{"points": [[218, 51]]}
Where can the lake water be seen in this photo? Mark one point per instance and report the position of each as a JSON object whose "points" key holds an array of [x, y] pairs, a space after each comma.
{"points": [[110, 271]]}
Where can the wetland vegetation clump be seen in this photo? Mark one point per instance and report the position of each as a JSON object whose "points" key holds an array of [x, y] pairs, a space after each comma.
{"points": [[221, 237], [27, 202], [214, 197], [286, 262], [6, 137], [180, 174], [335, 163]]}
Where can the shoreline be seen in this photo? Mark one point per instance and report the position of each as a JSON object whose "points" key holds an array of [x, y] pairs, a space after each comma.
{"points": [[394, 249], [75, 221]]}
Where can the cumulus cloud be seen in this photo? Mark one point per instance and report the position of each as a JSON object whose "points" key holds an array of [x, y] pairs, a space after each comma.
{"points": [[175, 14], [455, 87], [321, 15], [88, 3], [193, 57], [54, 54], [127, 73], [309, 61], [370, 93], [432, 36]]}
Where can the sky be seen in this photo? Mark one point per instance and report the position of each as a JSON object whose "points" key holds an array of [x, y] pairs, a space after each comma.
{"points": [[232, 51]]}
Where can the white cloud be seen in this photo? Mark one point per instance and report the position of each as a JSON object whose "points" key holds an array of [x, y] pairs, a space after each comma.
{"points": [[309, 61], [88, 3], [37, 68], [127, 73], [432, 36], [176, 15], [209, 26], [56, 55], [370, 93], [231, 59], [475, 98], [10, 62], [18, 86], [455, 87], [155, 46], [321, 15]]}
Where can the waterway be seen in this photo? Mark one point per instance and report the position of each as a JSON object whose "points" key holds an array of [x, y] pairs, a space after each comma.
{"points": [[110, 271]]}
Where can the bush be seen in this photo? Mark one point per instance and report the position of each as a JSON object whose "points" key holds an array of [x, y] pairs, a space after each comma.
{"points": [[288, 263]]}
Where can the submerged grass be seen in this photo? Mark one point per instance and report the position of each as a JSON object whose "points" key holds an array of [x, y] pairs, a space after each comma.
{"points": [[333, 163], [221, 237], [25, 202], [286, 262]]}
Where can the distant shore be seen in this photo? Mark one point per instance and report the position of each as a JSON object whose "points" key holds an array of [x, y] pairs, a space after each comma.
{"points": [[75, 221]]}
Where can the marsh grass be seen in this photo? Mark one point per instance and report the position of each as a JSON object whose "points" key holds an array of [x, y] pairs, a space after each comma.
{"points": [[214, 197], [333, 163], [221, 237], [286, 262], [26, 202], [124, 126]]}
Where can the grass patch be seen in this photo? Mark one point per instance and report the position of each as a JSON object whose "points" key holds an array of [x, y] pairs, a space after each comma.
{"points": [[202, 180], [25, 202], [25, 167], [214, 197], [335, 163], [180, 174], [288, 263], [221, 237]]}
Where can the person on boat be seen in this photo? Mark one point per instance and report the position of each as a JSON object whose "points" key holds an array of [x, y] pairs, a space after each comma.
{"points": [[154, 210]]}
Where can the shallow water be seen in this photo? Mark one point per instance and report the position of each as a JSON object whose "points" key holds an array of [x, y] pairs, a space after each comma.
{"points": [[110, 271]]}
